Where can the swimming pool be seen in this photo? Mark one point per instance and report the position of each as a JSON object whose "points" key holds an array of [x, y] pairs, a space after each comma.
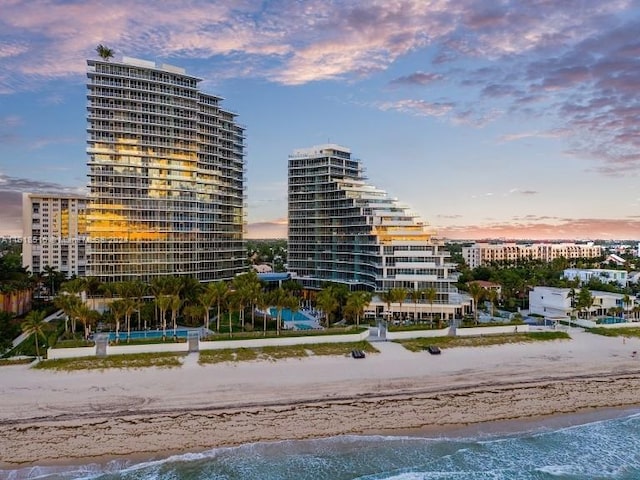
{"points": [[611, 320], [289, 316], [138, 334]]}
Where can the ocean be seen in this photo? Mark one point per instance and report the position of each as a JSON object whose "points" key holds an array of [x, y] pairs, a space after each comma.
{"points": [[603, 449]]}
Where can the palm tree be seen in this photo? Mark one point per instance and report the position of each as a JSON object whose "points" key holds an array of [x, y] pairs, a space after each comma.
{"points": [[280, 299], [262, 303], [431, 294], [163, 302], [50, 273], [356, 301], [174, 305], [105, 53], [327, 302], [220, 292], [476, 292], [67, 303], [400, 295], [207, 298], [85, 315], [118, 308], [92, 286], [34, 324], [416, 296], [130, 306], [626, 301], [138, 290], [388, 297]]}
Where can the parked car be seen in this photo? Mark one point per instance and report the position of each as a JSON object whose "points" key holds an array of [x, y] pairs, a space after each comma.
{"points": [[357, 354], [433, 350]]}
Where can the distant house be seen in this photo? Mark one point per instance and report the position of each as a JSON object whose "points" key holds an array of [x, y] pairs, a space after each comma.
{"points": [[615, 259], [490, 286], [604, 275], [262, 268], [553, 302]]}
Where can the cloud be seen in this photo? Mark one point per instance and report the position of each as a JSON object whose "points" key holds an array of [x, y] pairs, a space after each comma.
{"points": [[575, 63], [259, 230], [10, 214], [19, 185], [523, 192], [417, 78], [544, 228], [418, 107]]}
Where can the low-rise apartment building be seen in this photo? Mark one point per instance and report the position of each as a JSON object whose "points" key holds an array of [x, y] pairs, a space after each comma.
{"points": [[484, 253]]}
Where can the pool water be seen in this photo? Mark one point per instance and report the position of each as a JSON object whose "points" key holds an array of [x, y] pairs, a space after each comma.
{"points": [[611, 320], [138, 334]]}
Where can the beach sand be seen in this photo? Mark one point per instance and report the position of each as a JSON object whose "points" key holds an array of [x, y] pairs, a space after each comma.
{"points": [[50, 417]]}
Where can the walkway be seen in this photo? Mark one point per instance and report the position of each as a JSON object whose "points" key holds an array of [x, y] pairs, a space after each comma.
{"points": [[22, 337]]}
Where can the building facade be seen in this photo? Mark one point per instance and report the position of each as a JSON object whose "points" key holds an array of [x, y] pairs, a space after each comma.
{"points": [[343, 230], [484, 253], [619, 277], [55, 232], [554, 302], [166, 170]]}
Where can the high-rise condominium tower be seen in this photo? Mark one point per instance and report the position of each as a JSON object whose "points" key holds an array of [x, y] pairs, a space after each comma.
{"points": [[55, 229], [166, 168], [343, 230]]}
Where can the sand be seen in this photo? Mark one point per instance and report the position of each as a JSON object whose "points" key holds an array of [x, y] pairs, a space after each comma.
{"points": [[51, 417]]}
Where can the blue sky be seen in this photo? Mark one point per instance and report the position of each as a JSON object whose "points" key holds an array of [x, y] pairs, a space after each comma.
{"points": [[515, 119]]}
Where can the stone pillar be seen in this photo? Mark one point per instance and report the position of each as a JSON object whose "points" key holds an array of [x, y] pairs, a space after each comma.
{"points": [[102, 341], [193, 339]]}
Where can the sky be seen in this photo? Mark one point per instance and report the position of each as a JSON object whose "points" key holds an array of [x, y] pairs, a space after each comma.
{"points": [[502, 119]]}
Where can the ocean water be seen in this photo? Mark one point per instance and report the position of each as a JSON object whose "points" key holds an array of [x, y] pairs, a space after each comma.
{"points": [[605, 449]]}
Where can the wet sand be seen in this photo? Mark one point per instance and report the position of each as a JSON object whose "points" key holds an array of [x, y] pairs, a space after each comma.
{"points": [[49, 417]]}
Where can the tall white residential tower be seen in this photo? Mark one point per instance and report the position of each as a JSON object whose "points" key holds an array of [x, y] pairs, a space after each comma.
{"points": [[166, 175]]}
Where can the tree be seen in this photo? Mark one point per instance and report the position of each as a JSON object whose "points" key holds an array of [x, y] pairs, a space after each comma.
{"points": [[431, 294], [400, 295], [388, 297], [262, 303], [163, 302], [327, 302], [104, 52], [174, 305], [356, 301], [118, 308], [279, 299], [206, 299], [220, 291], [416, 296], [476, 292], [585, 300], [34, 324], [92, 286], [626, 301]]}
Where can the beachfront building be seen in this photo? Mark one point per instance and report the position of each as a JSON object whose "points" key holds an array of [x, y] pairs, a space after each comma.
{"points": [[554, 302], [619, 277], [484, 253], [54, 227], [166, 170], [344, 230]]}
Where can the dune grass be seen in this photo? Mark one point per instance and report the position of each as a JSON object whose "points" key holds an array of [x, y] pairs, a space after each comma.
{"points": [[277, 353], [419, 344], [615, 332], [137, 360]]}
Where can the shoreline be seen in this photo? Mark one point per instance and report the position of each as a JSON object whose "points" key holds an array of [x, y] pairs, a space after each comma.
{"points": [[127, 436], [66, 418]]}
